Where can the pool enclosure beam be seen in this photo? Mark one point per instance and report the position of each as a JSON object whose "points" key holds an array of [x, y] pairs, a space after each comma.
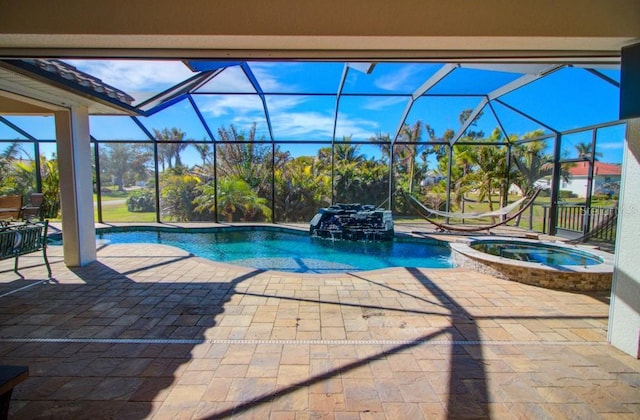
{"points": [[215, 155], [522, 81], [424, 88], [36, 149], [603, 76], [472, 117], [505, 196], [156, 167], [256, 85], [177, 93], [343, 79]]}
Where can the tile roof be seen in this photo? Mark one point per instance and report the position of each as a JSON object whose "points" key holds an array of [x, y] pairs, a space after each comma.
{"points": [[600, 168], [74, 75]]}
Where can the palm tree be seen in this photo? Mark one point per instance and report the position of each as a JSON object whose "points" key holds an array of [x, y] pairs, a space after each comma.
{"points": [[584, 151], [408, 152], [203, 150], [532, 163], [490, 167], [172, 146]]}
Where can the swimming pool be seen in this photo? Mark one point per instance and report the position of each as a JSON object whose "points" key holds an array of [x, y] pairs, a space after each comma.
{"points": [[288, 250]]}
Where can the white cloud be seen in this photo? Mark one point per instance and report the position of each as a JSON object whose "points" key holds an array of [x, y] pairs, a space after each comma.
{"points": [[398, 80], [378, 103], [231, 79], [218, 106], [268, 79], [289, 120], [134, 76], [610, 146]]}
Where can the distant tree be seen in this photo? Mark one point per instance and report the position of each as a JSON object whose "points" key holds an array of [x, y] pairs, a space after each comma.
{"points": [[170, 146], [125, 163], [490, 164], [407, 153]]}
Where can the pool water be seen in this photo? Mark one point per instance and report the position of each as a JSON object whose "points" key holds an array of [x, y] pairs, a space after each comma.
{"points": [[292, 251], [538, 253]]}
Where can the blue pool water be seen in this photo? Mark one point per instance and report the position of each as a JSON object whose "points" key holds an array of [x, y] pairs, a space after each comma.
{"points": [[538, 253], [277, 249]]}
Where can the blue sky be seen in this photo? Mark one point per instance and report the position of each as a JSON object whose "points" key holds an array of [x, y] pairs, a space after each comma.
{"points": [[566, 99]]}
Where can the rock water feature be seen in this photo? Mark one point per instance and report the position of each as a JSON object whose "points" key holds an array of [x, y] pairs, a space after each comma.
{"points": [[355, 222]]}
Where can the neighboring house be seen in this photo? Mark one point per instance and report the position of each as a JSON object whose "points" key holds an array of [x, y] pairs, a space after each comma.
{"points": [[606, 179]]}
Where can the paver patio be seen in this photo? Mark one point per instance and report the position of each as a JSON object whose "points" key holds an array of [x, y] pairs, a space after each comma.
{"points": [[149, 331]]}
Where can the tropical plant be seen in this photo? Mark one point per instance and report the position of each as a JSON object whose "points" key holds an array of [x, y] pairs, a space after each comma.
{"points": [[236, 199], [490, 164], [177, 194], [242, 156], [301, 189], [531, 163], [141, 201], [50, 187], [17, 169]]}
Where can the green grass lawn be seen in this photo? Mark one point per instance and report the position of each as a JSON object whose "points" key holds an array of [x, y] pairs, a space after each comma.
{"points": [[114, 208]]}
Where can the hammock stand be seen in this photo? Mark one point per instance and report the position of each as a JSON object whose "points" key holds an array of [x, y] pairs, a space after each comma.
{"points": [[426, 213]]}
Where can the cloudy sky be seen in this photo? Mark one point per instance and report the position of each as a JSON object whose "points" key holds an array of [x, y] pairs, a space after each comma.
{"points": [[297, 112]]}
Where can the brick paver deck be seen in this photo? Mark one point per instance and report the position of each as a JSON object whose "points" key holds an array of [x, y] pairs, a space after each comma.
{"points": [[149, 331]]}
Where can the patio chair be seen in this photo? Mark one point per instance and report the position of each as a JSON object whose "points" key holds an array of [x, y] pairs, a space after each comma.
{"points": [[10, 206], [33, 208]]}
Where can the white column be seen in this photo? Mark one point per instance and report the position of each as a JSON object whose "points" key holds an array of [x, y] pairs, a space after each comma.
{"points": [[624, 312], [76, 186]]}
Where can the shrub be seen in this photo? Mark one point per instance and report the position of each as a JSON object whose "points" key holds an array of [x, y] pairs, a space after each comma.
{"points": [[566, 194], [141, 201]]}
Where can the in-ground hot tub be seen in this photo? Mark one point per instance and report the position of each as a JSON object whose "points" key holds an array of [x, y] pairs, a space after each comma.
{"points": [[547, 264]]}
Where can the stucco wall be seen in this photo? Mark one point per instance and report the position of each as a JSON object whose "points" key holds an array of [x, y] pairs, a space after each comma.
{"points": [[624, 320]]}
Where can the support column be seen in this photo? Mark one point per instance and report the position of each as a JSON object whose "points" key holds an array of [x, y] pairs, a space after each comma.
{"points": [[624, 310], [76, 188]]}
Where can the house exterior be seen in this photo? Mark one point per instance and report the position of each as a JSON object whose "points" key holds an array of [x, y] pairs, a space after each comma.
{"points": [[606, 179]]}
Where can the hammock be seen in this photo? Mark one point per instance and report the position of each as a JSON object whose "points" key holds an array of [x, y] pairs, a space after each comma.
{"points": [[427, 213], [499, 212]]}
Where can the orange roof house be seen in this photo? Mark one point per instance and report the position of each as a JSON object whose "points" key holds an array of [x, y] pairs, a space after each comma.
{"points": [[600, 168]]}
